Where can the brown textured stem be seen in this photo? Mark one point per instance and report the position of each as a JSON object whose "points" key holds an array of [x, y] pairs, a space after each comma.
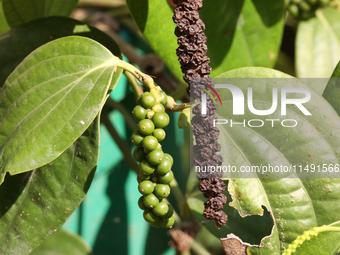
{"points": [[195, 67]]}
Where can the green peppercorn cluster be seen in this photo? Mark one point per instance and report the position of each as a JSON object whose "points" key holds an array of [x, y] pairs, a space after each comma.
{"points": [[155, 166], [305, 9]]}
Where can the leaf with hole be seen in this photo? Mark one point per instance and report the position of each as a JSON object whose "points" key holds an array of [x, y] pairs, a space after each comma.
{"points": [[50, 99], [296, 203]]}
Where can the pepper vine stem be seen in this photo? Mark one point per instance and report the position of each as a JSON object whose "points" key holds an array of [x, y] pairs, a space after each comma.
{"points": [[137, 89], [140, 76], [133, 73], [178, 107], [328, 229]]}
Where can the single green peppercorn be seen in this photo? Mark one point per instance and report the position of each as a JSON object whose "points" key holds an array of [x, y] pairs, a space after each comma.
{"points": [[146, 168], [294, 10], [146, 127], [150, 201], [138, 154], [146, 187], [143, 176], [159, 134], [168, 223], [150, 217], [137, 138], [138, 101], [168, 156], [164, 97], [158, 108], [155, 157], [164, 167], [141, 204], [304, 6], [167, 178], [156, 224], [154, 179], [161, 209], [169, 213], [139, 113], [150, 143], [161, 190], [160, 119], [148, 100]]}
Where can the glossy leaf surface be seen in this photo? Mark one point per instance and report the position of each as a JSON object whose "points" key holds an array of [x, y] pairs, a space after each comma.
{"points": [[17, 43], [50, 99]]}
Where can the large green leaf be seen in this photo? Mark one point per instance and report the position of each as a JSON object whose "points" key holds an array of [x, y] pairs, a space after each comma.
{"points": [[19, 12], [296, 203], [34, 205], [50, 99], [3, 23], [63, 243], [240, 33], [318, 45], [17, 43]]}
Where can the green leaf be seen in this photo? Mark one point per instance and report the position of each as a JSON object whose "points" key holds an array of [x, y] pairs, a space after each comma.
{"points": [[325, 243], [63, 243], [318, 45], [184, 118], [332, 91], [3, 23], [19, 12], [17, 43], [240, 33], [296, 203], [50, 99], [34, 205]]}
